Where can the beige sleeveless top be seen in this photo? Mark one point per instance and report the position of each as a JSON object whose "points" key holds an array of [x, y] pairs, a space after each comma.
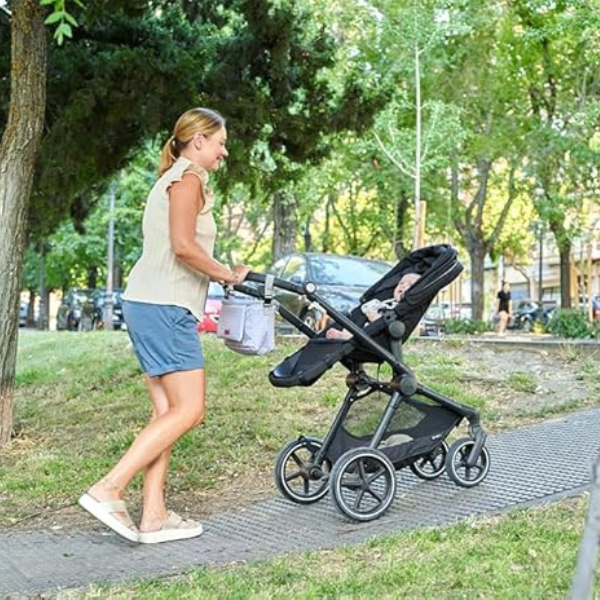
{"points": [[159, 277]]}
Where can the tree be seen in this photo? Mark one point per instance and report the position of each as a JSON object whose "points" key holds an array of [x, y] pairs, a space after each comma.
{"points": [[487, 170], [418, 131], [18, 149], [287, 100], [556, 51]]}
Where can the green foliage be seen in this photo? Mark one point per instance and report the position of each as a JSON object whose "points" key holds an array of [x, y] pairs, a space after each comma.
{"points": [[522, 381], [63, 20], [595, 330], [466, 326], [569, 323]]}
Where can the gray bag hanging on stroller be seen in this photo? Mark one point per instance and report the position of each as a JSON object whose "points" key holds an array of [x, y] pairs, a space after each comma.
{"points": [[247, 325]]}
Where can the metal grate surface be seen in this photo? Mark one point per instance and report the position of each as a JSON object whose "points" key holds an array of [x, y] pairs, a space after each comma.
{"points": [[530, 465]]}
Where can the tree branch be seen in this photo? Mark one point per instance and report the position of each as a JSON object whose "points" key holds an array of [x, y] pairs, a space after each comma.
{"points": [[398, 164]]}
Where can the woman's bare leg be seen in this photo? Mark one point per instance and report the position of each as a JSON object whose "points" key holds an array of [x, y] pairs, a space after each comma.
{"points": [[155, 474], [185, 396]]}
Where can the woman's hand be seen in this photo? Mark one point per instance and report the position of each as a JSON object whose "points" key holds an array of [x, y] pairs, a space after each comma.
{"points": [[240, 272]]}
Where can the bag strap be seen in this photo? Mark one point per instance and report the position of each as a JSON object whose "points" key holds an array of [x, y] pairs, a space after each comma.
{"points": [[269, 289]]}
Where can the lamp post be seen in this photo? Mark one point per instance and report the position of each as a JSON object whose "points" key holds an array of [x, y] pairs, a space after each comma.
{"points": [[108, 300], [541, 264]]}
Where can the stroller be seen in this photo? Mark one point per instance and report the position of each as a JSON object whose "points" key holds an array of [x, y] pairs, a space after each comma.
{"points": [[382, 425]]}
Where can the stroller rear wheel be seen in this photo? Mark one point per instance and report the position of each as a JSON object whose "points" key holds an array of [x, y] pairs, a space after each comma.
{"points": [[297, 476], [456, 463], [431, 465], [363, 484]]}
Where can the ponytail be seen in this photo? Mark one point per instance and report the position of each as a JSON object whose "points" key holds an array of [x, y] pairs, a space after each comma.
{"points": [[168, 155]]}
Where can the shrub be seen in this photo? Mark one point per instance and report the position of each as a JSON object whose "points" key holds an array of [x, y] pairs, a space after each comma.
{"points": [[569, 323], [595, 330], [465, 326]]}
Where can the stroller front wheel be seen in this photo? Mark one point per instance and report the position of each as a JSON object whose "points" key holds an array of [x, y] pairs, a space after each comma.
{"points": [[457, 465], [363, 484], [297, 476]]}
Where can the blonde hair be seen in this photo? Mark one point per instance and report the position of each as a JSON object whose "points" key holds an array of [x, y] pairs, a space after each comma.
{"points": [[195, 120]]}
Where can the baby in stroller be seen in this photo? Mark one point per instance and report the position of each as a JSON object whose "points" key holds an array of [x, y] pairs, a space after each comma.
{"points": [[372, 308], [385, 423]]}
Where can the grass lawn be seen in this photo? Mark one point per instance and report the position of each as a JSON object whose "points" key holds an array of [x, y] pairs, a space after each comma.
{"points": [[80, 402]]}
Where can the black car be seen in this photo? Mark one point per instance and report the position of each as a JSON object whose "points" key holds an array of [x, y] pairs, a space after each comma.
{"points": [[92, 311], [341, 280], [68, 315]]}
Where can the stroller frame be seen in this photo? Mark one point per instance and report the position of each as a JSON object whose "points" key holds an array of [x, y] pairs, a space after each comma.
{"points": [[362, 479]]}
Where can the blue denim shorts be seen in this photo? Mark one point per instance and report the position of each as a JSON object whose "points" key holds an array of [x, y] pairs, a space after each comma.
{"points": [[164, 338]]}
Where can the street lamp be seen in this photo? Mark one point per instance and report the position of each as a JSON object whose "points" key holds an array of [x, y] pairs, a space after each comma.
{"points": [[108, 299]]}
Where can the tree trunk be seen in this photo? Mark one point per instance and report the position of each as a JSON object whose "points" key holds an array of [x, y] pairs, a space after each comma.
{"points": [[477, 254], [307, 237], [92, 278], [18, 151], [401, 210], [564, 251], [30, 321], [43, 323], [284, 234]]}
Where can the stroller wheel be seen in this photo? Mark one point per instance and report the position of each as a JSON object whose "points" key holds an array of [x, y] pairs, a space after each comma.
{"points": [[456, 463], [297, 476], [431, 465], [363, 484]]}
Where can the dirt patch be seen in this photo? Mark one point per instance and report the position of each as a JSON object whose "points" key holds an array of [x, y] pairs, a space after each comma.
{"points": [[523, 384], [235, 495]]}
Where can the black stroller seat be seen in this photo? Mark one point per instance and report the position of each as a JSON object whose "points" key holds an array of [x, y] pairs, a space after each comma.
{"points": [[437, 266]]}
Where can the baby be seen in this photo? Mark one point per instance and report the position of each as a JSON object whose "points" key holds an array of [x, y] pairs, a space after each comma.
{"points": [[371, 308]]}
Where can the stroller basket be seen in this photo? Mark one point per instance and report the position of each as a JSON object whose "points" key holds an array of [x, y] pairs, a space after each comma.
{"points": [[416, 429]]}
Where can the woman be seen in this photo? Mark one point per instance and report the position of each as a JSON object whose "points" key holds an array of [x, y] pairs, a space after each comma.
{"points": [[165, 296], [504, 308]]}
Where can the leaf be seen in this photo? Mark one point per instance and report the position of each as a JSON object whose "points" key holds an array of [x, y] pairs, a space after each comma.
{"points": [[71, 19], [54, 17], [66, 30]]}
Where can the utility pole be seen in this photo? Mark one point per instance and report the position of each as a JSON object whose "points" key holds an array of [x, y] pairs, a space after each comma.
{"points": [[108, 299]]}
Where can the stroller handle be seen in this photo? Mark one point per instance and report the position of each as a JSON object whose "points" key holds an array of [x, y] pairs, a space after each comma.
{"points": [[280, 283]]}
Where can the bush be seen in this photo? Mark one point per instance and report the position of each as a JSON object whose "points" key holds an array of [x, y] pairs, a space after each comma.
{"points": [[569, 323], [465, 326], [595, 330]]}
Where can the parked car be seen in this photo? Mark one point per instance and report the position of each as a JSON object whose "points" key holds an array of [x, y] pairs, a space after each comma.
{"points": [[341, 280], [433, 321], [92, 311], [68, 315], [23, 308], [212, 310], [528, 313]]}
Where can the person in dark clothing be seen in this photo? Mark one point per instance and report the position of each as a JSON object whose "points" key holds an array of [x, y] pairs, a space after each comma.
{"points": [[504, 308]]}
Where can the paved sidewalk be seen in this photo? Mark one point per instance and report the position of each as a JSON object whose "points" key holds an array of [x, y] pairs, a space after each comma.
{"points": [[530, 465]]}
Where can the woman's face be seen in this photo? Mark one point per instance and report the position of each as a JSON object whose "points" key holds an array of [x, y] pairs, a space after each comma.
{"points": [[211, 149]]}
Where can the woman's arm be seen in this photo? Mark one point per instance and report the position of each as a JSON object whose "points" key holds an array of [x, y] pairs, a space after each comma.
{"points": [[185, 200]]}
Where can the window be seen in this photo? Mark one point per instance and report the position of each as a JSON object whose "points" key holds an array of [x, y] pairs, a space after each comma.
{"points": [[296, 269]]}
